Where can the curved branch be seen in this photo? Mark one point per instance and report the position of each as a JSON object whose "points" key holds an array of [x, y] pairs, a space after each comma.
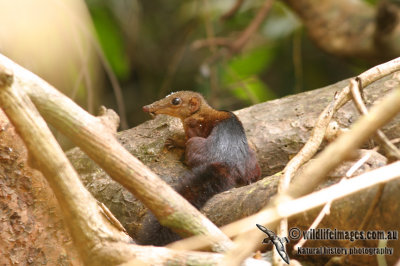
{"points": [[232, 11], [99, 143], [349, 28], [235, 46], [87, 225]]}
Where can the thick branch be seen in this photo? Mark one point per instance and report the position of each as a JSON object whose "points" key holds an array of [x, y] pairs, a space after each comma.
{"points": [[334, 154], [318, 133], [86, 223], [98, 142], [320, 128], [277, 129], [389, 148], [348, 28], [346, 144], [235, 46], [232, 11], [337, 152], [291, 207]]}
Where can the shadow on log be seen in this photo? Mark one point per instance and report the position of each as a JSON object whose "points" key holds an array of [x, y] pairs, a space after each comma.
{"points": [[32, 231], [277, 129]]}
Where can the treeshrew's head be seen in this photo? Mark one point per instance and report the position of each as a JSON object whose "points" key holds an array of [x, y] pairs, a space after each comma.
{"points": [[181, 104]]}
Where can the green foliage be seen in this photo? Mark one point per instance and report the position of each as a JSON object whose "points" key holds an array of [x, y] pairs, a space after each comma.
{"points": [[372, 2], [111, 40], [241, 74], [279, 58]]}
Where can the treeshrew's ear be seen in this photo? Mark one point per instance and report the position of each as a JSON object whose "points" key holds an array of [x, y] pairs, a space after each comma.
{"points": [[194, 104]]}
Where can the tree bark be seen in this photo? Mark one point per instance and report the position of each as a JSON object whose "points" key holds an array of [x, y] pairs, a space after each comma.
{"points": [[277, 129], [97, 235], [32, 230], [352, 29]]}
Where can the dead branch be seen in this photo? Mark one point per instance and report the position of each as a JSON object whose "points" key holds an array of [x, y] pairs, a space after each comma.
{"points": [[93, 137], [87, 225], [333, 155], [295, 206], [245, 36], [351, 29], [386, 21], [389, 148], [107, 66], [275, 139], [232, 11], [348, 29], [326, 209], [23, 84], [235, 46], [345, 144], [318, 134]]}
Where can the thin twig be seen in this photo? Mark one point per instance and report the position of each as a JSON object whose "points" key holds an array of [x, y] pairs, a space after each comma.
{"points": [[99, 143], [232, 11], [235, 46], [395, 141], [254, 25], [98, 240], [86, 223], [79, 78], [213, 48], [317, 135], [176, 59], [273, 213], [297, 61], [366, 218], [339, 150], [85, 71], [326, 209], [107, 67], [372, 208], [217, 41], [332, 156], [334, 192], [389, 148], [171, 70], [311, 147], [305, 154]]}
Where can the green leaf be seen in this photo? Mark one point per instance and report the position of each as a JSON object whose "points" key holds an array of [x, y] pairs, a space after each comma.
{"points": [[253, 62], [111, 40], [253, 89], [241, 74]]}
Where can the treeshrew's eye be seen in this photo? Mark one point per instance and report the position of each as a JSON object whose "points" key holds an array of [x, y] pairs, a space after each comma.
{"points": [[176, 101]]}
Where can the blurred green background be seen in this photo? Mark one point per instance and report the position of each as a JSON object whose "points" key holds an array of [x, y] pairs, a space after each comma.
{"points": [[150, 46], [154, 55]]}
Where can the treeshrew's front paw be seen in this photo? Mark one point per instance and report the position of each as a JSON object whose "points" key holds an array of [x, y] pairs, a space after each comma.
{"points": [[175, 142]]}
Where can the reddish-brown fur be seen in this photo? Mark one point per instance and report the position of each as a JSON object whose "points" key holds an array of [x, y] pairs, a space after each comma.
{"points": [[197, 117], [216, 151]]}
